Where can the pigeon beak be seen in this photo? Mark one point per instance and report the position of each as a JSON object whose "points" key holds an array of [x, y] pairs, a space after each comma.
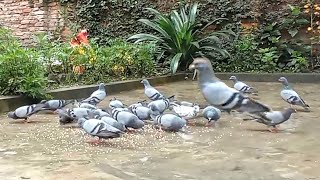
{"points": [[280, 80], [192, 67], [141, 81]]}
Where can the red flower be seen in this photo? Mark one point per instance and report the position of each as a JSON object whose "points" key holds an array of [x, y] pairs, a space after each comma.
{"points": [[81, 38]]}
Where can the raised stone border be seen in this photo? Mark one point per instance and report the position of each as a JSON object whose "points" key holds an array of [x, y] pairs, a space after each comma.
{"points": [[9, 103], [273, 77]]}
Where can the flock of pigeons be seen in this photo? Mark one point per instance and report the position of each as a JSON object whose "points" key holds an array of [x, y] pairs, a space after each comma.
{"points": [[118, 118]]}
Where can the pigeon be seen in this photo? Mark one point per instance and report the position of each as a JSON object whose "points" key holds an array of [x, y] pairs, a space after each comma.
{"points": [[187, 112], [87, 105], [273, 118], [291, 96], [140, 111], [128, 119], [64, 116], [211, 113], [115, 103], [162, 104], [24, 112], [151, 92], [218, 94], [77, 113], [97, 96], [241, 86], [55, 104], [140, 103], [113, 122], [100, 113], [167, 122], [99, 128]]}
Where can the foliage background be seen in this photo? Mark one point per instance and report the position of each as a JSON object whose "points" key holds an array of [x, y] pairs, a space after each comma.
{"points": [[107, 19]]}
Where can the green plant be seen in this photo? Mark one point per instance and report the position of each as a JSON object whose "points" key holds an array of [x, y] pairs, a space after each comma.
{"points": [[21, 71], [294, 21], [179, 36], [269, 57], [243, 58], [297, 63], [123, 59]]}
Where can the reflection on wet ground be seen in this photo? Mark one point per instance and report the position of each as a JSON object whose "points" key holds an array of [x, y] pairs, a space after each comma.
{"points": [[233, 150]]}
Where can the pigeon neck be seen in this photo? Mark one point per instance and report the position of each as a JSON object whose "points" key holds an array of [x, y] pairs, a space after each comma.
{"points": [[146, 84], [286, 85], [286, 114], [206, 76]]}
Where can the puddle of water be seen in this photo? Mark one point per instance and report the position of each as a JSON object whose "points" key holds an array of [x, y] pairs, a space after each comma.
{"points": [[233, 150]]}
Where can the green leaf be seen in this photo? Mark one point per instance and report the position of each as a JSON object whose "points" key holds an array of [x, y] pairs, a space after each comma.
{"points": [[144, 37], [174, 63], [295, 10], [193, 13], [302, 21], [155, 27], [293, 32]]}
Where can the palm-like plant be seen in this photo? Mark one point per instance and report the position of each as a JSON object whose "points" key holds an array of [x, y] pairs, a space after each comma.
{"points": [[180, 36]]}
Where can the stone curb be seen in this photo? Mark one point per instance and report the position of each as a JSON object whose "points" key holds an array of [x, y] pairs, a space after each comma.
{"points": [[9, 103], [273, 77]]}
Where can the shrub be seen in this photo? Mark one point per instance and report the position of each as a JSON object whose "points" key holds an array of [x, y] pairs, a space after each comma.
{"points": [[123, 60], [20, 68], [87, 64], [180, 37]]}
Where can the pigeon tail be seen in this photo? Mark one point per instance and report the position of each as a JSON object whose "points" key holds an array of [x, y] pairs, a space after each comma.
{"points": [[251, 106]]}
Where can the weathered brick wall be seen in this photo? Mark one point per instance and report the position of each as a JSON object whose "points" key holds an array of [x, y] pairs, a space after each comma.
{"points": [[26, 17]]}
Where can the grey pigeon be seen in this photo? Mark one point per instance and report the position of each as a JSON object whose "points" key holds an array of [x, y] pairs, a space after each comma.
{"points": [[273, 118], [140, 103], [241, 86], [113, 122], [55, 104], [161, 105], [98, 128], [128, 119], [24, 112], [291, 96], [64, 116], [77, 113], [187, 112], [88, 106], [100, 113], [141, 112], [150, 91], [97, 96], [168, 122], [218, 94], [211, 114], [115, 103]]}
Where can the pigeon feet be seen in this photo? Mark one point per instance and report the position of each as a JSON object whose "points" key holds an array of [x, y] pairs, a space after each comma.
{"points": [[94, 141], [191, 123], [131, 130], [209, 124], [274, 130], [27, 121]]}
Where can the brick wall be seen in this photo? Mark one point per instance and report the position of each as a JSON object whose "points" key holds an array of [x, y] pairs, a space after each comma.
{"points": [[26, 17]]}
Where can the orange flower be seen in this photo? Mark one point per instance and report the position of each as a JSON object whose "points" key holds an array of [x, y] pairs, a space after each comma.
{"points": [[81, 38], [78, 69]]}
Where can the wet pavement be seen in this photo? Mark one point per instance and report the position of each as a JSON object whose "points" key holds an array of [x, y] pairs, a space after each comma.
{"points": [[235, 149]]}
